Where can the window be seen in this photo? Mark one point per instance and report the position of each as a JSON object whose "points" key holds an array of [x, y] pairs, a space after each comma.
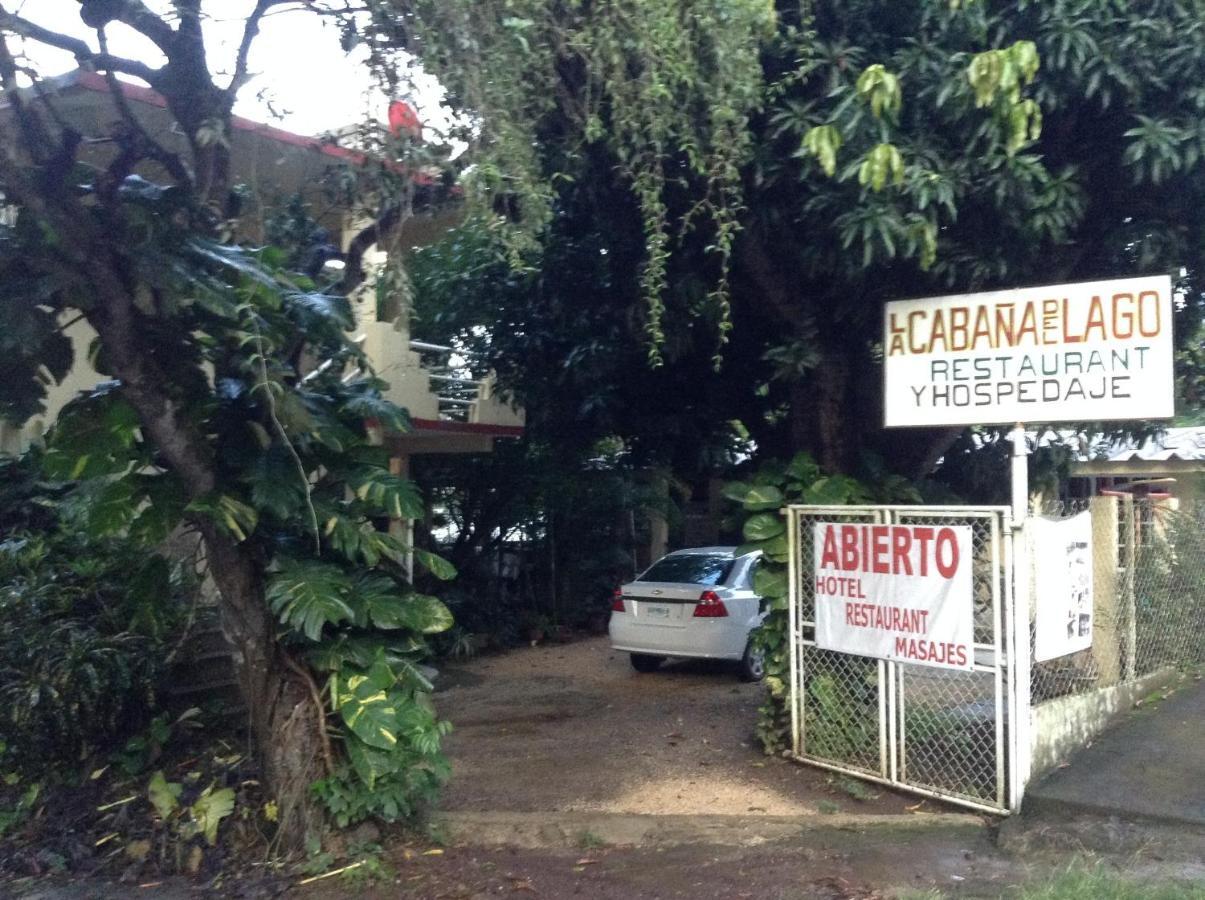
{"points": [[690, 568]]}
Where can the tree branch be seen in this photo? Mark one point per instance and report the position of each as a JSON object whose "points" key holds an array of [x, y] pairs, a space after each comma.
{"points": [[153, 148], [33, 129], [250, 33], [139, 16], [353, 272], [77, 48]]}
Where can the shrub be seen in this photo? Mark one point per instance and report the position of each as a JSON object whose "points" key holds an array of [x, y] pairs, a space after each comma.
{"points": [[87, 624]]}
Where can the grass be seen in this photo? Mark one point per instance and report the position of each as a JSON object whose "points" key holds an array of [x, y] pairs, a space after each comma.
{"points": [[1087, 884], [588, 840], [1080, 883], [859, 790]]}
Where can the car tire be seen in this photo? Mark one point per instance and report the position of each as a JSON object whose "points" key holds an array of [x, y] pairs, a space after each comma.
{"points": [[643, 662], [753, 664]]}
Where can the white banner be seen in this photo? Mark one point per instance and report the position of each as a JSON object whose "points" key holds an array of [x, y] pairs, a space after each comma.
{"points": [[1096, 351], [1063, 575], [898, 592]]}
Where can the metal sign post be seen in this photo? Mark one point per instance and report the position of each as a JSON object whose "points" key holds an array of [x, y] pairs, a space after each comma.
{"points": [[1019, 659]]}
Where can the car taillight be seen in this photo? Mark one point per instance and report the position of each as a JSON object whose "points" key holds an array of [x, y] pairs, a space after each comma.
{"points": [[617, 603], [710, 606]]}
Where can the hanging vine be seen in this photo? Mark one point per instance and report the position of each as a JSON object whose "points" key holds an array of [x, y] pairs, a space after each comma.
{"points": [[666, 88]]}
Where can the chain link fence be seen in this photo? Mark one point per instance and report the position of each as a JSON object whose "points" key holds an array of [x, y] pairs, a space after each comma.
{"points": [[935, 730], [977, 736], [1149, 596]]}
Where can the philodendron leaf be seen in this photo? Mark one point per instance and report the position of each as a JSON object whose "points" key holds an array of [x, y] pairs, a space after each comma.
{"points": [[209, 810], [371, 763], [736, 490], [426, 614], [368, 704], [309, 595], [774, 549], [763, 497], [770, 582], [164, 795], [763, 526], [436, 565]]}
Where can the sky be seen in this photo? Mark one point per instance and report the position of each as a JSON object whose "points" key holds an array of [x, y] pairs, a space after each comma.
{"points": [[307, 84]]}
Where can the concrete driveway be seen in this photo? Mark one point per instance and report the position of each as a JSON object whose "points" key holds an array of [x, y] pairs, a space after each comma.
{"points": [[573, 728]]}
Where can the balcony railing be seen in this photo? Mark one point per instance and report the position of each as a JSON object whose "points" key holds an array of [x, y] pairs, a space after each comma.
{"points": [[452, 381]]}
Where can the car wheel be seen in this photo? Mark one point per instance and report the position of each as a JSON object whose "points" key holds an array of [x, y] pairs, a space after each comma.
{"points": [[753, 664], [642, 662]]}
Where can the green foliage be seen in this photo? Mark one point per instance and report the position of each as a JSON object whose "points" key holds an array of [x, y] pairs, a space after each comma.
{"points": [[88, 627], [665, 90], [282, 409], [200, 818], [1091, 881]]}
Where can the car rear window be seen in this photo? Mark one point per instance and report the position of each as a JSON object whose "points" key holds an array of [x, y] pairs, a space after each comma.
{"points": [[690, 568]]}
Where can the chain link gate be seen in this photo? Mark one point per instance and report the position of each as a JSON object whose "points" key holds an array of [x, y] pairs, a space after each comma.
{"points": [[939, 732]]}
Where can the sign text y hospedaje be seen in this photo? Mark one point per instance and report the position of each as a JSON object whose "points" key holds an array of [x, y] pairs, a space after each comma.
{"points": [[1095, 351], [898, 592]]}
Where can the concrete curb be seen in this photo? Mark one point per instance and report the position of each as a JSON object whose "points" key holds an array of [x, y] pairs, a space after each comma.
{"points": [[549, 830]]}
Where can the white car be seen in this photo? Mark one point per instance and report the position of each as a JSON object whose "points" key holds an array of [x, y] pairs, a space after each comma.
{"points": [[692, 603]]}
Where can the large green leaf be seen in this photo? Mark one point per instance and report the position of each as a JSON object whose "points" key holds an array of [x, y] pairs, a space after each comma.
{"points": [[763, 497], [233, 516], [736, 490], [364, 400], [276, 484], [802, 469], [95, 435], [368, 704], [209, 809], [764, 526], [361, 650], [425, 614], [436, 565], [371, 763], [393, 495], [309, 595], [835, 490], [161, 513], [113, 508], [164, 795], [376, 600], [775, 549], [770, 581]]}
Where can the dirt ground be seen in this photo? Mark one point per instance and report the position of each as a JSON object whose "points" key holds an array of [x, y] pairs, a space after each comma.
{"points": [[572, 727]]}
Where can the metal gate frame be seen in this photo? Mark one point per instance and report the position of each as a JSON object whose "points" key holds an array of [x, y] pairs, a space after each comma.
{"points": [[1008, 650]]}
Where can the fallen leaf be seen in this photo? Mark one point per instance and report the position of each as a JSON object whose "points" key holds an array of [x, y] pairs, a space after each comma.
{"points": [[586, 862], [435, 852]]}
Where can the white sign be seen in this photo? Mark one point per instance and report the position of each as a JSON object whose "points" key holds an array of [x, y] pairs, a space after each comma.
{"points": [[1063, 573], [899, 592], [1096, 351]]}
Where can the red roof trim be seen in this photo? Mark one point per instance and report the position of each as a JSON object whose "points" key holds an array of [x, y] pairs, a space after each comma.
{"points": [[94, 81], [468, 428]]}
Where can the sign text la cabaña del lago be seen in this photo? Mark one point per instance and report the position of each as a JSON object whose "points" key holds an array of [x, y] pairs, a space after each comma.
{"points": [[1076, 352]]}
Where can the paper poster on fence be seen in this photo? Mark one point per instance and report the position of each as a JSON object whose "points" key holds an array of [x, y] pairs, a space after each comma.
{"points": [[1063, 586], [898, 592]]}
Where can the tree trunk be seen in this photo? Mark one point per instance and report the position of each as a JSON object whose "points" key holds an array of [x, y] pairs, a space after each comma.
{"points": [[285, 714], [822, 412]]}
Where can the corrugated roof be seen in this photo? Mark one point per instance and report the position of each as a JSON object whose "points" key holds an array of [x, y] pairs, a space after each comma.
{"points": [[1174, 443]]}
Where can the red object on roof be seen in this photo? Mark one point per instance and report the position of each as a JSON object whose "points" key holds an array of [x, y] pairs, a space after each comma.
{"points": [[403, 117]]}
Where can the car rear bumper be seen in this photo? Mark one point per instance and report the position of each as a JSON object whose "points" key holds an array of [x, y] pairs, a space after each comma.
{"points": [[701, 639]]}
